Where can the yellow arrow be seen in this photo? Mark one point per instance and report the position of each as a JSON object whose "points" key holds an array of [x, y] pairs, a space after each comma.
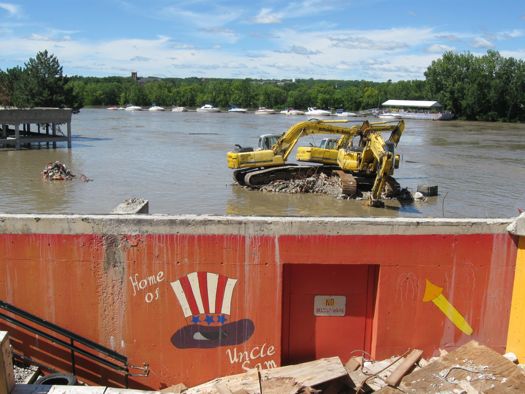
{"points": [[434, 293]]}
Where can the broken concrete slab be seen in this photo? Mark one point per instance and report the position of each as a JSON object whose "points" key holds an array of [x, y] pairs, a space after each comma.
{"points": [[131, 206], [471, 365]]}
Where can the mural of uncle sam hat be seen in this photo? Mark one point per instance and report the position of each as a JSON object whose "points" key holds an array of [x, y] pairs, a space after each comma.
{"points": [[205, 299]]}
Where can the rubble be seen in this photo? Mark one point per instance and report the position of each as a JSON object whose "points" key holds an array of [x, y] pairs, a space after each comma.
{"points": [[317, 183], [472, 368], [25, 373], [325, 184], [57, 171]]}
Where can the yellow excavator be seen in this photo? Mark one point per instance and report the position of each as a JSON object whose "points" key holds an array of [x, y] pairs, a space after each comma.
{"points": [[359, 163]]}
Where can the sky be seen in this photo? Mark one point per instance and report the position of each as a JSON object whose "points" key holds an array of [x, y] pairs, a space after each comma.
{"points": [[373, 40]]}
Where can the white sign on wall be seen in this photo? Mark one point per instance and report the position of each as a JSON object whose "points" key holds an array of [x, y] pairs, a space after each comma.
{"points": [[329, 305]]}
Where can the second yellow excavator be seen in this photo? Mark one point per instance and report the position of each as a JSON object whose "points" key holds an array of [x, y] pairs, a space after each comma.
{"points": [[361, 158]]}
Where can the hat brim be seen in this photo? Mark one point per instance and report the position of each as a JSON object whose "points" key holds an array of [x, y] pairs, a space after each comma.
{"points": [[206, 337]]}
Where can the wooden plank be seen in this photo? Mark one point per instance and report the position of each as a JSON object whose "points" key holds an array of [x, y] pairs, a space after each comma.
{"points": [[7, 374], [402, 369], [175, 389], [307, 374], [222, 388], [354, 363]]}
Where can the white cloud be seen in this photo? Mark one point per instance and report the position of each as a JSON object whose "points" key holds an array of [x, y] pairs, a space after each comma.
{"points": [[377, 54], [222, 32], [12, 9], [507, 35], [295, 9], [439, 48], [214, 16], [313, 54], [266, 16], [480, 42]]}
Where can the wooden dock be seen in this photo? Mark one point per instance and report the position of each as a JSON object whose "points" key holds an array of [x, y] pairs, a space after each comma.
{"points": [[23, 127]]}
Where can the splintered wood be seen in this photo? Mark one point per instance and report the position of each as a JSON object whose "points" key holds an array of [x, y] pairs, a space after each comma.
{"points": [[289, 379], [472, 368]]}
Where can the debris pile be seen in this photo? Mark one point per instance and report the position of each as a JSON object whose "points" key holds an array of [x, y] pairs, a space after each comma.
{"points": [[25, 373], [57, 171], [472, 368], [331, 185], [317, 183]]}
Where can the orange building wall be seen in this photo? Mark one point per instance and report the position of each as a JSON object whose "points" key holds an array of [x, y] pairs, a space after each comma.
{"points": [[84, 282]]}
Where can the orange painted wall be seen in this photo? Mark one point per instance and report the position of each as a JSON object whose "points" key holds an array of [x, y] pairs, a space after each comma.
{"points": [[85, 283]]}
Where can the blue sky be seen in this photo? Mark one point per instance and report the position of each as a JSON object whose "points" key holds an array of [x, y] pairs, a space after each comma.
{"points": [[329, 39]]}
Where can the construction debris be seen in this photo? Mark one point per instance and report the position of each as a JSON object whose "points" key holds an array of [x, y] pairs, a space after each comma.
{"points": [[132, 206], [57, 171], [317, 183], [470, 369], [289, 379], [321, 183]]}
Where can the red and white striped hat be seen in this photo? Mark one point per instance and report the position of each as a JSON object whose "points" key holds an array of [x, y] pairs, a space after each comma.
{"points": [[204, 293]]}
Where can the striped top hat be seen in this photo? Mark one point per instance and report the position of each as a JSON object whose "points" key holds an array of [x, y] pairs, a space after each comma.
{"points": [[205, 297]]}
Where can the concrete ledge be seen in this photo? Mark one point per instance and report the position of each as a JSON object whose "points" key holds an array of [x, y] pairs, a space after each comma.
{"points": [[517, 227], [242, 225], [35, 115]]}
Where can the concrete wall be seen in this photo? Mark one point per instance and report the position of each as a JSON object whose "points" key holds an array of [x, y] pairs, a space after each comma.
{"points": [[138, 284], [516, 337]]}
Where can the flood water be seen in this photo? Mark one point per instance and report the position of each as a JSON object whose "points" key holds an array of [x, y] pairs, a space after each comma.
{"points": [[177, 161]]}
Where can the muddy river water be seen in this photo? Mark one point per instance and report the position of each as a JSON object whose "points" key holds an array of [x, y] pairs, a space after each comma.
{"points": [[178, 162]]}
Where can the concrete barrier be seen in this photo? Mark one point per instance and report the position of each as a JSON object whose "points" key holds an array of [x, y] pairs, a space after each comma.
{"points": [[197, 297]]}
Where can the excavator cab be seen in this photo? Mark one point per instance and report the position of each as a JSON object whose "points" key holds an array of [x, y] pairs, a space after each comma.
{"points": [[328, 143], [266, 141]]}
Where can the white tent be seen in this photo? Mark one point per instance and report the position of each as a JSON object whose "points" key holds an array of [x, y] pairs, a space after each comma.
{"points": [[411, 104]]}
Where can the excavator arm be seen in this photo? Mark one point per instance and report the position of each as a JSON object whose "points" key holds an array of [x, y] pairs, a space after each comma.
{"points": [[385, 161], [287, 142], [278, 155], [374, 156]]}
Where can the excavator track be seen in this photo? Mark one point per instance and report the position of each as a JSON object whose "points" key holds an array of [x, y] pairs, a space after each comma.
{"points": [[348, 183], [238, 175], [262, 177]]}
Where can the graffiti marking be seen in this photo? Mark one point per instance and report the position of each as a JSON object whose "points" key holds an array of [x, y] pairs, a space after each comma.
{"points": [[148, 283], [247, 357], [434, 293]]}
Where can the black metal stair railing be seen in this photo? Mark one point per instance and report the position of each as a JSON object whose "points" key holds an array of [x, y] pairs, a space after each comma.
{"points": [[118, 362]]}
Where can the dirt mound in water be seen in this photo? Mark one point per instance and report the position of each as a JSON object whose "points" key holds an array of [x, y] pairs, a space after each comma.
{"points": [[318, 183]]}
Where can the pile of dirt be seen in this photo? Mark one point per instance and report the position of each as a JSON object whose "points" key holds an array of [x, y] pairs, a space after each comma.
{"points": [[317, 183]]}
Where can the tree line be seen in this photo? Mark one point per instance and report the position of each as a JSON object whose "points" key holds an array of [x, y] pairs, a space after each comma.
{"points": [[488, 87]]}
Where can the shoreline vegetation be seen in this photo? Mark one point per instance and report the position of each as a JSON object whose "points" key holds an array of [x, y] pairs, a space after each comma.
{"points": [[487, 88]]}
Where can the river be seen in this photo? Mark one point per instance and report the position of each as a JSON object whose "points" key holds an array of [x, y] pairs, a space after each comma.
{"points": [[177, 161]]}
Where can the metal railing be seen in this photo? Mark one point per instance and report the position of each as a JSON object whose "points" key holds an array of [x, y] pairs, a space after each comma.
{"points": [[118, 362]]}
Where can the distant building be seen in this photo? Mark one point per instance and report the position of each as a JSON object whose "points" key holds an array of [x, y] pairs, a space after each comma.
{"points": [[414, 109], [412, 104], [134, 76]]}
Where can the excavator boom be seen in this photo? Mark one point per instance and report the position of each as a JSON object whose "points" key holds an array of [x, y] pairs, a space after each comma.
{"points": [[372, 158]]}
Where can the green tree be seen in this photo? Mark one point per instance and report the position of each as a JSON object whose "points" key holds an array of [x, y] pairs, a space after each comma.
{"points": [[42, 84], [9, 81]]}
